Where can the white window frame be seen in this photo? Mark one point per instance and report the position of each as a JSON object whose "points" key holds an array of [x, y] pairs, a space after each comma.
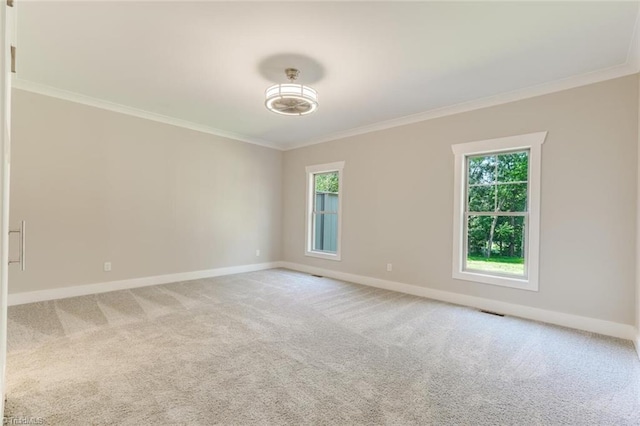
{"points": [[531, 142], [311, 172]]}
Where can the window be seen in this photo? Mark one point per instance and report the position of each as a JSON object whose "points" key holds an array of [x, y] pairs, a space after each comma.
{"points": [[324, 203], [497, 211]]}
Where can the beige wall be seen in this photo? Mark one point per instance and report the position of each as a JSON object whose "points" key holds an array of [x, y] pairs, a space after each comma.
{"points": [[637, 342], [398, 186], [153, 199]]}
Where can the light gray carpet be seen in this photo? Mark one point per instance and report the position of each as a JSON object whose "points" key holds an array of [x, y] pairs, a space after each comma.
{"points": [[281, 347]]}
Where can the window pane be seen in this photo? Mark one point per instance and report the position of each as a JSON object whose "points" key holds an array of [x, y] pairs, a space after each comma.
{"points": [[325, 235], [482, 198], [513, 167], [496, 244], [512, 197], [327, 182], [481, 170], [326, 190]]}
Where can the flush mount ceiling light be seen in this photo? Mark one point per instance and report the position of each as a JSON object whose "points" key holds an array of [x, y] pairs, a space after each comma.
{"points": [[291, 98]]}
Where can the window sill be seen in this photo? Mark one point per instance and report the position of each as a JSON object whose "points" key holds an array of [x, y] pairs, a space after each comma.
{"points": [[519, 283], [322, 255]]}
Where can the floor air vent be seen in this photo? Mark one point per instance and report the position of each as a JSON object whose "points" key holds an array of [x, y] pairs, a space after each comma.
{"points": [[317, 276], [491, 313]]}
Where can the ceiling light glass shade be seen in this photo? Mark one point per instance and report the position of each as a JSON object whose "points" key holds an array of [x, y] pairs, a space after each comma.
{"points": [[291, 99]]}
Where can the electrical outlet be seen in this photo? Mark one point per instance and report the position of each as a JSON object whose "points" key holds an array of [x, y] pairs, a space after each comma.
{"points": [[107, 266], [389, 267], [257, 252]]}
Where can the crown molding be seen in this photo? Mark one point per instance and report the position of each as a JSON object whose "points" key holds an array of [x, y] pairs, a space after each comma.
{"points": [[53, 92], [631, 66], [503, 98], [633, 55]]}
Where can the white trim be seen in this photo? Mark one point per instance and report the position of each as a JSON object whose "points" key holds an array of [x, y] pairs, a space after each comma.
{"points": [[490, 101], [7, 23], [308, 243], [507, 143], [637, 299], [533, 142], [329, 167], [42, 89], [83, 290], [633, 55], [628, 68], [608, 328]]}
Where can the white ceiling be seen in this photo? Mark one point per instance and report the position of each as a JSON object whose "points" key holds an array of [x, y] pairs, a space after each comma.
{"points": [[207, 64]]}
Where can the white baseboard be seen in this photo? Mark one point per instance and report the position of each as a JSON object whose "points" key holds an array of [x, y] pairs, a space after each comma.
{"points": [[623, 331], [608, 328], [83, 290]]}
